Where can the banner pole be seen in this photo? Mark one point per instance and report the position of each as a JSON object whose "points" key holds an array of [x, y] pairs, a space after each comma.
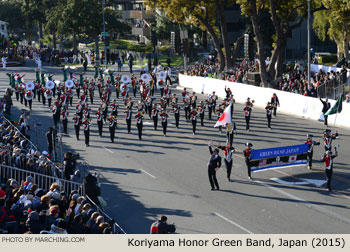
{"points": [[340, 101]]}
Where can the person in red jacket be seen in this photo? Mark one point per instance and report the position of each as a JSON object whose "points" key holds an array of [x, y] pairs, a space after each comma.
{"points": [[328, 163]]}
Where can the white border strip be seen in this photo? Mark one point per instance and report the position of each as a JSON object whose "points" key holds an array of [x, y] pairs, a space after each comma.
{"points": [[148, 173], [233, 223]]}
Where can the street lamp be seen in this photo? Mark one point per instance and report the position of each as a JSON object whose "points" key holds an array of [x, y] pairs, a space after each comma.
{"points": [[308, 43]]}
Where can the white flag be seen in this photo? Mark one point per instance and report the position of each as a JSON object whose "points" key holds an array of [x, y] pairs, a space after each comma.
{"points": [[225, 117]]}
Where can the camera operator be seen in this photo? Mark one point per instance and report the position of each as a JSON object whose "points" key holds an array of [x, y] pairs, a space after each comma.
{"points": [[69, 164], [92, 190], [162, 227]]}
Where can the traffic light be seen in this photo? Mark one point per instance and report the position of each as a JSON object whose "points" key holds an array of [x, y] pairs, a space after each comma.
{"points": [[181, 46]]}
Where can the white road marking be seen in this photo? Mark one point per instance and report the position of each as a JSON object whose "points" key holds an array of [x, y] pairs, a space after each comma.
{"points": [[310, 204], [233, 223], [316, 182], [148, 123], [108, 150], [148, 173]]}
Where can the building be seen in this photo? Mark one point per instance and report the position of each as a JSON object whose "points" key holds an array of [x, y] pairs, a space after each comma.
{"points": [[135, 13], [296, 47], [3, 29]]}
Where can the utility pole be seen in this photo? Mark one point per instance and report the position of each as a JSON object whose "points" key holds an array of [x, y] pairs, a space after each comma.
{"points": [[183, 39], [308, 43], [104, 30]]}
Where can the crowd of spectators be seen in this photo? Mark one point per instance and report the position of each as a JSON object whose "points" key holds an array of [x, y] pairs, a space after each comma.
{"points": [[27, 208], [29, 205], [293, 80]]}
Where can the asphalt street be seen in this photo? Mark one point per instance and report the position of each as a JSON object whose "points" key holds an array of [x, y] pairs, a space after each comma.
{"points": [[159, 175]]}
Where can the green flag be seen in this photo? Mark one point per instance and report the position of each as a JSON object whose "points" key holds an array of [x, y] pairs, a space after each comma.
{"points": [[337, 107]]}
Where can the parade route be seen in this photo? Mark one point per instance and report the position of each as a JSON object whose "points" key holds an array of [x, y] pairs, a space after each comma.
{"points": [[141, 180]]}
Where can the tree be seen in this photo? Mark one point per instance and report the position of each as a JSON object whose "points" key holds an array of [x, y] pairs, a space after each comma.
{"points": [[11, 12], [207, 15], [334, 22], [285, 16], [34, 12], [255, 9], [53, 14]]}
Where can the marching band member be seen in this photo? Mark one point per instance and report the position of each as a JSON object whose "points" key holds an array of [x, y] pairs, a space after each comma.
{"points": [[139, 123], [117, 87], [310, 150], [91, 93], [152, 83], [112, 126], [247, 156], [43, 94], [176, 110], [21, 92], [210, 104], [201, 109], [48, 95], [64, 117], [29, 97], [79, 110], [128, 113], [187, 108], [327, 139], [193, 100], [194, 120], [328, 163], [86, 125], [228, 151], [83, 98], [114, 106], [164, 120], [214, 97], [77, 121], [56, 113], [247, 112], [17, 91], [155, 112], [230, 128], [134, 85], [184, 93], [161, 87], [99, 117], [149, 105]]}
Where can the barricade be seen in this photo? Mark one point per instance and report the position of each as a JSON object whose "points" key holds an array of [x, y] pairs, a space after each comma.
{"points": [[290, 103], [43, 181], [115, 227]]}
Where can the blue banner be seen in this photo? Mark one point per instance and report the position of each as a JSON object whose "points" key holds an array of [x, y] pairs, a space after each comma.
{"points": [[274, 158], [278, 152]]}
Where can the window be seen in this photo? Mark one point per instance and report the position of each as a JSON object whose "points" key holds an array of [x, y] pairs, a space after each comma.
{"points": [[235, 27]]}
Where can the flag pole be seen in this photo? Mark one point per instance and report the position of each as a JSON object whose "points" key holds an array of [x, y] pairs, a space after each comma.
{"points": [[341, 100]]}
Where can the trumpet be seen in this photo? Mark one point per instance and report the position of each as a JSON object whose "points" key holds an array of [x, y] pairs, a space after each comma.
{"points": [[89, 120]]}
